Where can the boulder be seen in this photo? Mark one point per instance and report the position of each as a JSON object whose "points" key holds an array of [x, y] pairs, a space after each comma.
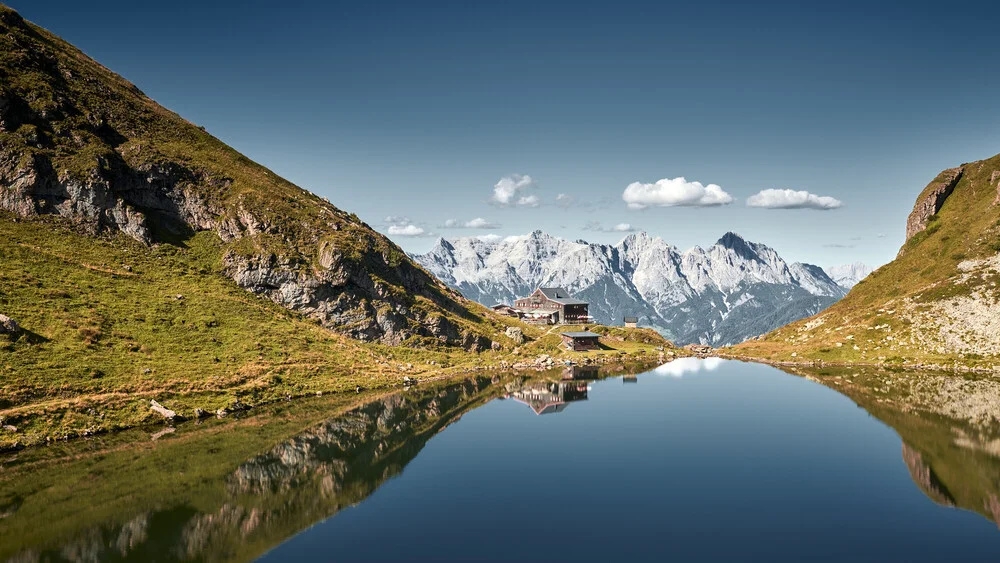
{"points": [[8, 325], [515, 334], [162, 410]]}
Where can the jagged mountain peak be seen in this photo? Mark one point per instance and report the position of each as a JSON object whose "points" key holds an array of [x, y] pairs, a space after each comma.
{"points": [[731, 239], [740, 246]]}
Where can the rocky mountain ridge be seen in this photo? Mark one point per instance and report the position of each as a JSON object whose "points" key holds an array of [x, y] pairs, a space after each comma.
{"points": [[731, 291]]}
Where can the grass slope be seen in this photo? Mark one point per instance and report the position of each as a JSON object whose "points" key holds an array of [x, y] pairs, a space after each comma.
{"points": [[921, 308], [80, 141], [111, 324], [115, 316]]}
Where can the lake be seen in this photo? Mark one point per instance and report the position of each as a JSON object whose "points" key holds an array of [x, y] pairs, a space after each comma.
{"points": [[693, 460]]}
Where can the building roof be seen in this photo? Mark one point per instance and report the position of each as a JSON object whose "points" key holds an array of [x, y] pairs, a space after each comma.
{"points": [[582, 334], [631, 319], [560, 295]]}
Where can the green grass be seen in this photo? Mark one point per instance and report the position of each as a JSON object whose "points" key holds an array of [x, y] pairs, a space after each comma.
{"points": [[111, 324], [69, 119]]}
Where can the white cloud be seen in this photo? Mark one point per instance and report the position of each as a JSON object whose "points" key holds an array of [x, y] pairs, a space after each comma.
{"points": [[677, 192], [529, 201], [792, 199], [619, 228], [409, 230], [397, 220], [490, 238], [512, 190], [477, 223], [565, 200]]}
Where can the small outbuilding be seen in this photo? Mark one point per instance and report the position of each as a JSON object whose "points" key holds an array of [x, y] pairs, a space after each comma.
{"points": [[581, 341], [631, 322]]}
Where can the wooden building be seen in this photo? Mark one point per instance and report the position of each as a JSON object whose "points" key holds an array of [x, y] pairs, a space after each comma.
{"points": [[581, 341], [505, 310], [556, 303], [631, 322]]}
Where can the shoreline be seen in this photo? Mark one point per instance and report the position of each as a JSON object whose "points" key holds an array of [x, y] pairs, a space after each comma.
{"points": [[822, 363], [644, 359]]}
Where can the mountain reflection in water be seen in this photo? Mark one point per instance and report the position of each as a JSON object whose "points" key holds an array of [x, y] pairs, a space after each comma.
{"points": [[232, 490]]}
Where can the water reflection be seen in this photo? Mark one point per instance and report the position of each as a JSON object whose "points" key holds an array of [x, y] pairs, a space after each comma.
{"points": [[550, 398], [234, 491], [955, 463], [684, 366]]}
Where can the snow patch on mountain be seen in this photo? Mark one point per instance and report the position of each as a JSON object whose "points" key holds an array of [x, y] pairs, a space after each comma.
{"points": [[731, 291], [848, 275]]}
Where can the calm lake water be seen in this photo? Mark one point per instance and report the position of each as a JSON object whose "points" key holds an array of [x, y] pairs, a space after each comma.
{"points": [[694, 460]]}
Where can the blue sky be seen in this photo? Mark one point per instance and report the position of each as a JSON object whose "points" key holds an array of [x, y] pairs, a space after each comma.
{"points": [[410, 114]]}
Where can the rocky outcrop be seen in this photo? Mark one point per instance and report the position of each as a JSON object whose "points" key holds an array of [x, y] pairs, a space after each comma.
{"points": [[931, 200], [349, 299], [113, 196], [515, 334], [9, 325]]}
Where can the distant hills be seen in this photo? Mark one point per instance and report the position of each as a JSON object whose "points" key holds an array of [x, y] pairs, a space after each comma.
{"points": [[937, 303], [722, 295]]}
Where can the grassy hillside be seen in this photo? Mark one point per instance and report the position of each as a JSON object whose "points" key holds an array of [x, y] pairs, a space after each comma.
{"points": [[80, 142], [146, 260], [110, 324], [937, 303]]}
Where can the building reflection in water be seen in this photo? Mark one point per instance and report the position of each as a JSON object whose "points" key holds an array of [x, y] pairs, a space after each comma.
{"points": [[590, 373], [549, 398]]}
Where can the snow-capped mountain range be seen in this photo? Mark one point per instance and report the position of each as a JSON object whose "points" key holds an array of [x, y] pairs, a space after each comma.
{"points": [[721, 295]]}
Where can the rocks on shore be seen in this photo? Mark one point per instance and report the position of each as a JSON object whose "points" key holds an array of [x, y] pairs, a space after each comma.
{"points": [[700, 349], [163, 411]]}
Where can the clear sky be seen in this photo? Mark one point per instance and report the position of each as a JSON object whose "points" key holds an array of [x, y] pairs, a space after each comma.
{"points": [[422, 117]]}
